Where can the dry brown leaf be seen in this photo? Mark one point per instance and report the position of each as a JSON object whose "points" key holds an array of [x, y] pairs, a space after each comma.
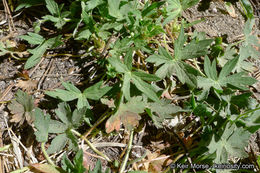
{"points": [[113, 123], [130, 119], [22, 108], [27, 85], [158, 164], [24, 74], [17, 110]]}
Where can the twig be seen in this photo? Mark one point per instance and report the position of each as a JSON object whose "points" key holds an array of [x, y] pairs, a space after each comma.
{"points": [[45, 73], [7, 90], [93, 155], [30, 74], [123, 165], [113, 144], [9, 16], [90, 145]]}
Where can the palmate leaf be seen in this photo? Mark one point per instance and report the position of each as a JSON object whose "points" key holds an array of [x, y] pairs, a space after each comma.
{"points": [[138, 78], [250, 48], [58, 143], [22, 108], [238, 80], [230, 143], [32, 38], [159, 111], [38, 52], [175, 7], [70, 120], [170, 65], [94, 92], [127, 113], [53, 7]]}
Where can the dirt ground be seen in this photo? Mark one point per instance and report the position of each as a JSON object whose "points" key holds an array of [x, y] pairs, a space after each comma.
{"points": [[53, 70]]}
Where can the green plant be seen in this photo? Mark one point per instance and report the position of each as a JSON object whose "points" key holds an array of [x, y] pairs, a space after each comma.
{"points": [[176, 65], [70, 120], [22, 108], [143, 66], [76, 166], [94, 92]]}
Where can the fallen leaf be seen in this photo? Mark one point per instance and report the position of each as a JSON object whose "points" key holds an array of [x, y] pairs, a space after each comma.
{"points": [[27, 85]]}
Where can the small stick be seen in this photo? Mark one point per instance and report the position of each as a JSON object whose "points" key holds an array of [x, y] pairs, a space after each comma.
{"points": [[30, 74], [45, 73], [90, 145]]}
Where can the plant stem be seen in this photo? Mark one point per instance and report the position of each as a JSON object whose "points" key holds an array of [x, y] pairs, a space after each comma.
{"points": [[46, 155], [123, 165], [248, 112], [90, 145], [100, 120]]}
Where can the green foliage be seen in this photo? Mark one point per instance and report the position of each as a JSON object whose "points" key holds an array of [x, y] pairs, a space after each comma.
{"points": [[98, 168], [76, 166], [94, 92], [22, 108], [43, 45], [159, 111], [238, 80], [247, 8], [42, 125], [248, 49], [69, 120], [175, 8], [138, 78], [125, 37], [229, 144], [28, 3], [170, 65]]}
